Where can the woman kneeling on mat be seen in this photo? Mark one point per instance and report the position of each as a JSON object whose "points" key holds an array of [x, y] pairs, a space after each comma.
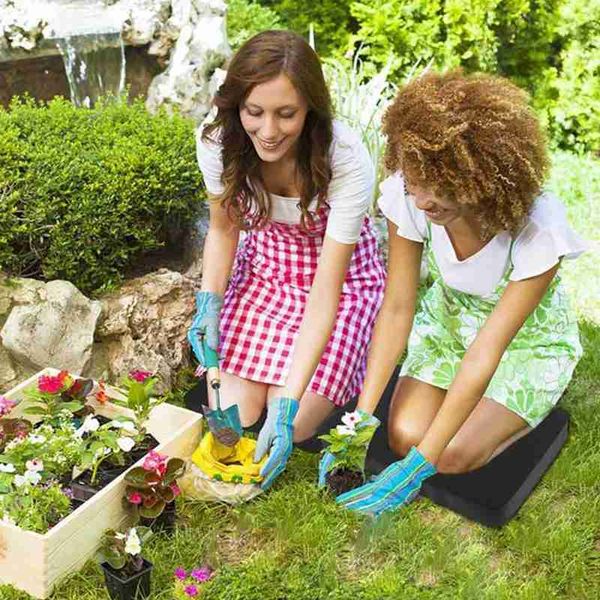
{"points": [[296, 316], [494, 343]]}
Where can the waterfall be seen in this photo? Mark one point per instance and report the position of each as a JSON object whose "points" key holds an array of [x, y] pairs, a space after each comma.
{"points": [[95, 66]]}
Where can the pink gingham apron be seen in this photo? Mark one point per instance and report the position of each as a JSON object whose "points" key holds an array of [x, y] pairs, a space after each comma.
{"points": [[264, 304]]}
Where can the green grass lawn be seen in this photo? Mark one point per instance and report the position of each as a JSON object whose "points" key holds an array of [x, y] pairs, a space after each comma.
{"points": [[295, 543]]}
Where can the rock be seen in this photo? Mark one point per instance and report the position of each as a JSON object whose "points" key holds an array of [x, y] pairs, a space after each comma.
{"points": [[190, 36], [201, 46], [144, 326], [56, 331], [8, 375], [141, 326]]}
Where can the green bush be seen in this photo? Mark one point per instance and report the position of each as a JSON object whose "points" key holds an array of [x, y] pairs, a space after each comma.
{"points": [[86, 192], [246, 18], [549, 47], [332, 22]]}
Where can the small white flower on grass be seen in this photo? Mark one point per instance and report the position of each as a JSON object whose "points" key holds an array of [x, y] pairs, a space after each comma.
{"points": [[126, 443], [7, 468], [345, 430], [133, 545], [36, 439]]}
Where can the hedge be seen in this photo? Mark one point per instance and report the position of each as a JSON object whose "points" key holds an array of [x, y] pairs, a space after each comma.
{"points": [[85, 193]]}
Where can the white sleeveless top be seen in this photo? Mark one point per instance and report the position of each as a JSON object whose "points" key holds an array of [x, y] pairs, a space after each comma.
{"points": [[545, 238], [349, 194]]}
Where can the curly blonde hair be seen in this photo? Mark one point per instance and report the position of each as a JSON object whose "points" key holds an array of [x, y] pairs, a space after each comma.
{"points": [[471, 139]]}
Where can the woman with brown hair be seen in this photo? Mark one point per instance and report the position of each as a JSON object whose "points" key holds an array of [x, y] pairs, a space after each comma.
{"points": [[293, 322], [493, 343]]}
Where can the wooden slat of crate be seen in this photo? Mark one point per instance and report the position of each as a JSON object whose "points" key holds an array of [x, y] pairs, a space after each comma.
{"points": [[35, 563]]}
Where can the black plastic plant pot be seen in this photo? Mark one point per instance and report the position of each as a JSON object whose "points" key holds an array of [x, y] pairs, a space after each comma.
{"points": [[165, 522], [148, 443], [108, 472], [81, 489], [122, 586]]}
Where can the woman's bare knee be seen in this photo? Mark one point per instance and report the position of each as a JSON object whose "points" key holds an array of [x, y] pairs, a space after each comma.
{"points": [[457, 458], [403, 436], [250, 397]]}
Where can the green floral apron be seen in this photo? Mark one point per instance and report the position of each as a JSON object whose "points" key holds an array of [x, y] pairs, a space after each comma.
{"points": [[535, 368]]}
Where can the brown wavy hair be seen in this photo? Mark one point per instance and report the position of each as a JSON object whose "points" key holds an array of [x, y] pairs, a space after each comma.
{"points": [[261, 59], [471, 139]]}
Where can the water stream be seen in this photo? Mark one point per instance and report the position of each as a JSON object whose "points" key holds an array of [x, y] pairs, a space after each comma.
{"points": [[95, 66]]}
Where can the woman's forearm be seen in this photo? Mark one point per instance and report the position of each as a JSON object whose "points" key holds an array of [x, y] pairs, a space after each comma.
{"points": [[476, 370], [390, 335], [217, 259]]}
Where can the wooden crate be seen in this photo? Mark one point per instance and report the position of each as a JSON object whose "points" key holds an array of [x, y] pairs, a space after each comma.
{"points": [[33, 562]]}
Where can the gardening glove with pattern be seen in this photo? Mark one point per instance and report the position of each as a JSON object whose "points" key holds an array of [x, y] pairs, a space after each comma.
{"points": [[357, 420], [395, 486], [205, 324], [276, 435]]}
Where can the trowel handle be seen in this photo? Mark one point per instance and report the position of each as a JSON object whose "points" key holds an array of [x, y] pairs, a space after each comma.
{"points": [[211, 364]]}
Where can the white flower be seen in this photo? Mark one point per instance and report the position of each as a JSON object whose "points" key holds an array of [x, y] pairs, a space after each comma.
{"points": [[36, 439], [351, 419], [345, 430], [89, 424], [120, 536], [32, 477], [133, 545], [126, 443], [34, 465], [126, 425], [7, 468]]}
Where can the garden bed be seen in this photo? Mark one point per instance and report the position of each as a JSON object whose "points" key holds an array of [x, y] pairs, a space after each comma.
{"points": [[33, 562]]}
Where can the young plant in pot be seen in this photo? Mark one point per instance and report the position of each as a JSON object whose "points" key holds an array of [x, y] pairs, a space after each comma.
{"points": [[346, 451], [127, 573], [152, 489], [111, 441], [141, 399], [57, 396]]}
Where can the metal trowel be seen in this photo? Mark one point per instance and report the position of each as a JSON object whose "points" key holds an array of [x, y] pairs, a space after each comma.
{"points": [[225, 425]]}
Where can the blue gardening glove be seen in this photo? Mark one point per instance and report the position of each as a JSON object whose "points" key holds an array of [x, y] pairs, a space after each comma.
{"points": [[355, 421], [395, 486], [205, 323], [276, 435]]}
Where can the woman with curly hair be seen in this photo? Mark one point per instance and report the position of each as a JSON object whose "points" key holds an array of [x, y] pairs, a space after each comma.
{"points": [[293, 322], [493, 343]]}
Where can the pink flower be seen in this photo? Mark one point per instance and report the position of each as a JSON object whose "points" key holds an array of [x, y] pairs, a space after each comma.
{"points": [[135, 498], [155, 462], [191, 590], [202, 574], [138, 375], [175, 489], [180, 573], [6, 406], [50, 384]]}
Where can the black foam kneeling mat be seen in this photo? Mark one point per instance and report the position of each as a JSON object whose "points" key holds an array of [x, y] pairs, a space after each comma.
{"points": [[492, 494]]}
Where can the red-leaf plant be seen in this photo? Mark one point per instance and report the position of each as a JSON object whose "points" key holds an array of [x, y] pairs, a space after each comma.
{"points": [[153, 485]]}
